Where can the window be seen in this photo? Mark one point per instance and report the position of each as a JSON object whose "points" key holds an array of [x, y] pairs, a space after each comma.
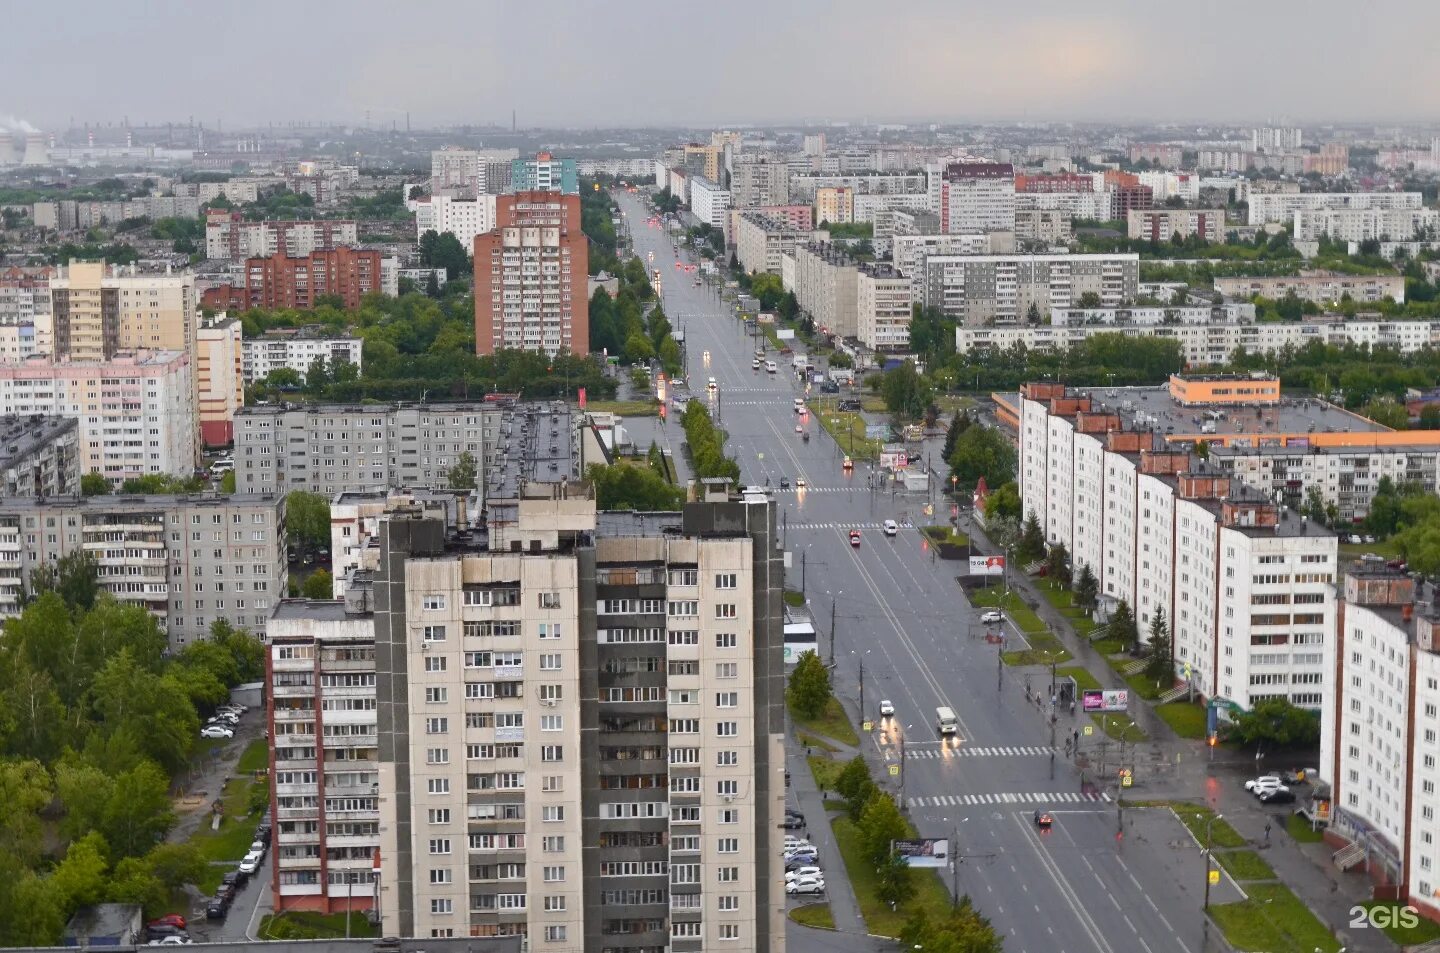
{"points": [[437, 726], [727, 669], [434, 633], [552, 753], [684, 637], [556, 933], [553, 844], [442, 905], [727, 729], [727, 759], [729, 903], [555, 904], [552, 782], [728, 875], [684, 873], [437, 755], [551, 693], [727, 788], [552, 722], [727, 699], [685, 609], [684, 577], [439, 875], [726, 610], [725, 580], [729, 931], [435, 663], [438, 785], [440, 845], [725, 640], [552, 813], [554, 875], [550, 662], [550, 630], [729, 815], [436, 695], [728, 845], [433, 602]]}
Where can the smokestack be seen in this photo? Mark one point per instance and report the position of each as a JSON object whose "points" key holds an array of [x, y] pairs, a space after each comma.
{"points": [[8, 156]]}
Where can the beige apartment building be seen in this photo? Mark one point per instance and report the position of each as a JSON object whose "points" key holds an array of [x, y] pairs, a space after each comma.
{"points": [[100, 310]]}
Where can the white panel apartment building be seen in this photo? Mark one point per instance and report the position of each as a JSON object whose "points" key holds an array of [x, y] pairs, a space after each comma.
{"points": [[1379, 733], [1346, 477], [709, 202], [978, 289], [1247, 587], [1359, 225], [908, 251], [137, 412], [228, 238], [462, 217], [761, 241], [882, 308], [825, 286], [296, 351], [1281, 207]]}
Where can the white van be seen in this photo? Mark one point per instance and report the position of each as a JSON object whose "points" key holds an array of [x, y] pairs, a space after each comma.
{"points": [[945, 721], [770, 367]]}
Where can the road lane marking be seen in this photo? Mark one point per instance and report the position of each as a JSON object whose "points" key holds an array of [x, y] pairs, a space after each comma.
{"points": [[1066, 893]]}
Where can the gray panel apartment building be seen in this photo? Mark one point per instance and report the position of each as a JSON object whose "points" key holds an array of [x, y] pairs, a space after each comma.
{"points": [[1001, 289], [190, 560], [331, 448], [39, 456]]}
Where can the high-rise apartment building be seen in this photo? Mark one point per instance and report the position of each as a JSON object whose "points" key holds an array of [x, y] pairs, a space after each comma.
{"points": [[977, 197], [545, 173], [219, 384], [282, 281], [39, 456], [834, 205], [530, 277], [137, 412], [1276, 139], [189, 560], [469, 171], [1003, 289], [580, 724], [465, 218], [229, 235], [101, 310]]}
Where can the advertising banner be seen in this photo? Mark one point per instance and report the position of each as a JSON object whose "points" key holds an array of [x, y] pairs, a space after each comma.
{"points": [[923, 853], [987, 565], [1092, 700]]}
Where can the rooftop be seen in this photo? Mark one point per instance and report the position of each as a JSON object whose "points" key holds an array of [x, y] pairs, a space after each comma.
{"points": [[320, 610], [138, 501], [1155, 408], [23, 435]]}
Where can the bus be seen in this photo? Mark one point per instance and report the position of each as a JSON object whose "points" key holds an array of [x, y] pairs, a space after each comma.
{"points": [[799, 639]]}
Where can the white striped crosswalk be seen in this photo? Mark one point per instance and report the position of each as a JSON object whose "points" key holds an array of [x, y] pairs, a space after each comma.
{"points": [[825, 489], [841, 526], [1001, 751], [1023, 797]]}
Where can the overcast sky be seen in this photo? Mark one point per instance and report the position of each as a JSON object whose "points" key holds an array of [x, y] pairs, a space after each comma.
{"points": [[645, 62]]}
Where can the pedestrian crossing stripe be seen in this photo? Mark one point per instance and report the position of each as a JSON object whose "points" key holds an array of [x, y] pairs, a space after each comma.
{"points": [[824, 489], [842, 526], [1023, 797], [1004, 751]]}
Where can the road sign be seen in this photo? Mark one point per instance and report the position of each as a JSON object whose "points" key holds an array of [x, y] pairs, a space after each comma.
{"points": [[1126, 781], [1214, 876], [894, 770], [1089, 730], [867, 726]]}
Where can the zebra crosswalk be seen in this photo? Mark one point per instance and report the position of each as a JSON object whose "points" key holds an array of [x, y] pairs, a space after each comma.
{"points": [[825, 489], [1023, 797], [843, 526], [1002, 751]]}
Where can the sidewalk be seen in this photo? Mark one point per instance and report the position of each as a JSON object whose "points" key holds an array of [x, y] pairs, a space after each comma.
{"points": [[838, 892]]}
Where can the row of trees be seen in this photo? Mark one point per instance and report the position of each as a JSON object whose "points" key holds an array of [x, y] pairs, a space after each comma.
{"points": [[707, 444], [629, 486], [95, 719]]}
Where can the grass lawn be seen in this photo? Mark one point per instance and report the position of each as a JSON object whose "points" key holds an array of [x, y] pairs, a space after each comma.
{"points": [[794, 599], [225, 847], [1383, 548], [625, 408], [874, 403], [1275, 920], [1245, 865], [815, 742], [1299, 829], [1108, 647], [256, 757], [1186, 719], [994, 597], [831, 723], [848, 429], [880, 920], [814, 915], [308, 925], [825, 771], [1221, 833], [1425, 931], [1083, 679], [1120, 727], [946, 534], [1143, 686], [1044, 649]]}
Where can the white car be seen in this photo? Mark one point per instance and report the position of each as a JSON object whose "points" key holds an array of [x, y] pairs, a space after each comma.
{"points": [[992, 615], [216, 731], [1266, 782], [258, 849], [712, 384], [169, 941], [800, 483], [799, 405], [792, 841], [250, 863], [891, 527], [804, 873], [887, 708], [808, 885]]}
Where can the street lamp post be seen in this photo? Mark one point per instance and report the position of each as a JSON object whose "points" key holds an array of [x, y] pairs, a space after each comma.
{"points": [[1208, 825]]}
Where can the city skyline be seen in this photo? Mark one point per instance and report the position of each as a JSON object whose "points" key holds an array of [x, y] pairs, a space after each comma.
{"points": [[486, 63]]}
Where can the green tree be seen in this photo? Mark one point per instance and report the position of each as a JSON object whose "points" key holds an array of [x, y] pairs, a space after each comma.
{"points": [[464, 473], [1314, 506], [79, 879], [880, 826], [1032, 538], [855, 785], [1430, 417], [1122, 621], [906, 393], [893, 882], [1388, 412], [669, 353], [622, 486], [1057, 564], [1088, 299], [25, 790], [809, 689], [958, 425], [307, 520], [1161, 665], [961, 929], [94, 484], [1275, 723], [638, 349], [981, 451], [318, 585], [1086, 589], [75, 577], [1004, 502]]}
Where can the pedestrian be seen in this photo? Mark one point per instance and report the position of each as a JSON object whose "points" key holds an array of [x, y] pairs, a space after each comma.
{"points": [[1267, 832], [1072, 709]]}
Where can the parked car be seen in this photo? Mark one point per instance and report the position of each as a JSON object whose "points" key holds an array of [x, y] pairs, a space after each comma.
{"points": [[1301, 775], [1277, 796], [162, 930], [992, 615], [810, 885], [801, 873], [802, 860], [792, 823], [216, 731], [168, 920], [249, 864], [216, 908], [170, 941], [231, 881], [791, 812], [1256, 785]]}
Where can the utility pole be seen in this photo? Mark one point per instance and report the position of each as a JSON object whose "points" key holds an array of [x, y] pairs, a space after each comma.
{"points": [[803, 554], [1208, 825], [862, 689], [955, 868], [833, 600], [902, 774], [999, 662]]}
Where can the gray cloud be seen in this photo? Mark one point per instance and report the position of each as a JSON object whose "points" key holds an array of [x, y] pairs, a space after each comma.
{"points": [[595, 63]]}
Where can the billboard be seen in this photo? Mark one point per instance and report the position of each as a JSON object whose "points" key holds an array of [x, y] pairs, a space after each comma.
{"points": [[783, 334], [987, 565], [923, 853], [1092, 700]]}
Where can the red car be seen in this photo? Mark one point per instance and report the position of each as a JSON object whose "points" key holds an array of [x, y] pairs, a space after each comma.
{"points": [[855, 538], [168, 920]]}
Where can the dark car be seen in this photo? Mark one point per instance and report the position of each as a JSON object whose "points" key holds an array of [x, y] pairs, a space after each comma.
{"points": [[1278, 796], [801, 860], [216, 908], [233, 880], [784, 483], [792, 823], [791, 812]]}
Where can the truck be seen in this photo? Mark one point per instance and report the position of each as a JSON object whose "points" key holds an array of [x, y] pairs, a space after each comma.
{"points": [[799, 360], [945, 721]]}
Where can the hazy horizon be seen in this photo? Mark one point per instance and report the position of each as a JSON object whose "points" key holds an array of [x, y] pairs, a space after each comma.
{"points": [[663, 64]]}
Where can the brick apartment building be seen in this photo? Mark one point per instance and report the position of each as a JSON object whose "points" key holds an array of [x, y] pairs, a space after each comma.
{"points": [[282, 281], [530, 276]]}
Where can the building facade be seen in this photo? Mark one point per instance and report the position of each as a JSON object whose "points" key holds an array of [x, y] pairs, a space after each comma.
{"points": [[39, 456], [137, 412], [882, 307], [229, 235], [465, 218], [825, 286], [834, 205], [977, 197], [709, 202], [530, 277], [761, 241], [189, 560], [296, 283], [1321, 287], [545, 173], [1265, 208], [1163, 224], [297, 349], [1360, 225], [101, 310], [220, 382], [1003, 289]]}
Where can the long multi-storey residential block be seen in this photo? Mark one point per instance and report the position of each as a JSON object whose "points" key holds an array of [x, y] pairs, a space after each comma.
{"points": [[1163, 224], [1281, 207], [229, 235], [297, 350], [100, 310], [977, 197], [1321, 287], [297, 282], [1246, 586], [189, 560], [1359, 225], [39, 456], [980, 289], [709, 201], [1378, 735], [825, 286], [761, 241], [465, 218], [137, 412]]}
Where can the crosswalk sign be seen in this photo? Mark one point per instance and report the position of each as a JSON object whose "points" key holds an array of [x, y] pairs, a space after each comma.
{"points": [[894, 770], [1089, 729]]}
